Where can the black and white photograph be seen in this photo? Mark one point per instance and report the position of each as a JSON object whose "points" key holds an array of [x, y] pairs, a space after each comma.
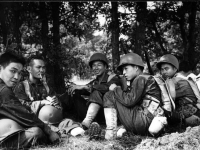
{"points": [[100, 75]]}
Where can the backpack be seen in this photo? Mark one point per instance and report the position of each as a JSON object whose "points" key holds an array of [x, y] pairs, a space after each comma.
{"points": [[194, 83], [168, 93]]}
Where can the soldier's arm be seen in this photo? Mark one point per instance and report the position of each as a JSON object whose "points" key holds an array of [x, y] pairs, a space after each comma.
{"points": [[104, 87], [132, 97]]}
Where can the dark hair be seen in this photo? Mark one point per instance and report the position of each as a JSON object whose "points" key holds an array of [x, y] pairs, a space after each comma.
{"points": [[33, 57], [184, 66], [8, 57]]}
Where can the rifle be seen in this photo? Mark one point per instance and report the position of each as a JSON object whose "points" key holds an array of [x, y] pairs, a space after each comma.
{"points": [[121, 41], [148, 63]]}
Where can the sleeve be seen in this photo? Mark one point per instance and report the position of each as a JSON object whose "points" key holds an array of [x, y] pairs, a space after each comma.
{"points": [[132, 97], [25, 100], [104, 87]]}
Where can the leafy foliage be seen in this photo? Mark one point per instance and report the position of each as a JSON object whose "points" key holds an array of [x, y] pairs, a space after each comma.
{"points": [[63, 32]]}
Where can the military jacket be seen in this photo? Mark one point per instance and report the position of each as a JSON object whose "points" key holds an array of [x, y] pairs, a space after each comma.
{"points": [[102, 85], [37, 91], [141, 86], [11, 107]]}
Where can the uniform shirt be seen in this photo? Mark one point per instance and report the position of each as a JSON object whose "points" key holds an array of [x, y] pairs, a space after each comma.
{"points": [[142, 85], [38, 92], [102, 85], [185, 98]]}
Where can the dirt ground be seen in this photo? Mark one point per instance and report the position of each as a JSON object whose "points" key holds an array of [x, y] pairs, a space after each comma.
{"points": [[184, 139]]}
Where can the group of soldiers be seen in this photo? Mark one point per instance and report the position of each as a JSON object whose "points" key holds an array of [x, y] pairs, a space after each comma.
{"points": [[31, 113]]}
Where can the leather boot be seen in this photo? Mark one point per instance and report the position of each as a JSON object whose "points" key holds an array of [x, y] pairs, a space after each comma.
{"points": [[111, 123], [91, 114]]}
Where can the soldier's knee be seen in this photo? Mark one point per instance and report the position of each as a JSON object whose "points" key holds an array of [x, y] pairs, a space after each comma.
{"points": [[108, 99], [37, 132]]}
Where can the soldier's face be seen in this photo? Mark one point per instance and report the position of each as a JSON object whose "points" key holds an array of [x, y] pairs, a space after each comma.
{"points": [[11, 74], [130, 72], [167, 71], [98, 68], [37, 68]]}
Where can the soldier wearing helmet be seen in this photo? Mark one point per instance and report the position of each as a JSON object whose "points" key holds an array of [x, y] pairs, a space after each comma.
{"points": [[95, 90], [36, 94], [183, 90], [138, 105], [19, 128], [168, 65]]}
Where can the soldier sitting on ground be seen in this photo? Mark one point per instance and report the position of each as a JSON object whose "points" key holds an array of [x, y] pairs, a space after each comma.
{"points": [[19, 127], [88, 110], [184, 92], [138, 105], [36, 94]]}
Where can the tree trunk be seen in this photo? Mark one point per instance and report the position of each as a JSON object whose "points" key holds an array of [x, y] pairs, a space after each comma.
{"points": [[58, 78], [3, 23], [115, 35], [141, 11], [191, 36]]}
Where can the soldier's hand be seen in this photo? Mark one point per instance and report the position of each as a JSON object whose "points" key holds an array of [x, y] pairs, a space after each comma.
{"points": [[53, 100], [45, 102], [72, 88], [54, 137], [112, 87]]}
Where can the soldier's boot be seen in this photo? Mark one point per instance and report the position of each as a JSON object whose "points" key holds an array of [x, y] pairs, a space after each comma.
{"points": [[111, 123], [91, 114]]}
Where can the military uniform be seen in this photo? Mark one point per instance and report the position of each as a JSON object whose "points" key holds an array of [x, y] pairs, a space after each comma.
{"points": [[135, 106], [30, 128], [185, 100], [94, 95], [95, 90], [39, 92], [186, 109]]}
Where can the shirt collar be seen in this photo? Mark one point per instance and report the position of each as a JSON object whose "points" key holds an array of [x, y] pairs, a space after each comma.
{"points": [[39, 83]]}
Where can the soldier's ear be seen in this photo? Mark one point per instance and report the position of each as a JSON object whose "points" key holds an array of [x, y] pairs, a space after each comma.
{"points": [[175, 69], [137, 68], [28, 68]]}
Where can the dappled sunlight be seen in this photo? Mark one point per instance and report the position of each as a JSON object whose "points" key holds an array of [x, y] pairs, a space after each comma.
{"points": [[76, 80]]}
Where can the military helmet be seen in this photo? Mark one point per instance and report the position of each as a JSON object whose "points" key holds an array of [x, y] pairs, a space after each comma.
{"points": [[130, 59], [98, 57], [50, 114], [170, 59]]}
